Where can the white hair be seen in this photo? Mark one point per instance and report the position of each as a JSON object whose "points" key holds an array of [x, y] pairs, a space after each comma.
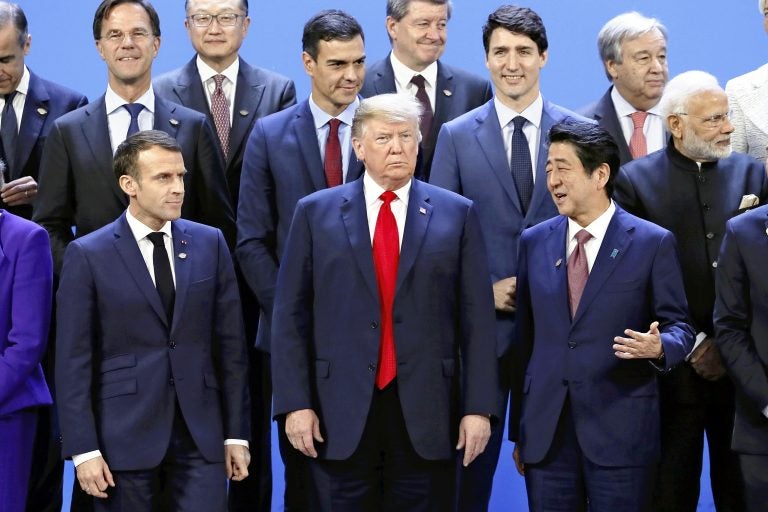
{"points": [[391, 108], [761, 6], [679, 91]]}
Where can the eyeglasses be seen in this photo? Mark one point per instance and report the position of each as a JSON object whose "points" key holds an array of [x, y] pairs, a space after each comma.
{"points": [[225, 19], [118, 36], [714, 121]]}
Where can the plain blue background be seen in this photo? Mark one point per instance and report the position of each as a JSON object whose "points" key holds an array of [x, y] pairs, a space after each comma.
{"points": [[724, 38]]}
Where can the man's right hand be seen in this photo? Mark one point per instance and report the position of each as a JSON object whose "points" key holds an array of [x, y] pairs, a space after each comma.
{"points": [[303, 428], [94, 477], [504, 294]]}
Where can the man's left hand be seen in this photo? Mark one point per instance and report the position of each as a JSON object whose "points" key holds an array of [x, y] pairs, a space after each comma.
{"points": [[706, 361], [474, 432], [236, 459], [639, 345], [20, 191]]}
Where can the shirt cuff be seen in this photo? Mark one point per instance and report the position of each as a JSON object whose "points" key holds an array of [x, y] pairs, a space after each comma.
{"points": [[700, 337], [241, 442], [85, 457]]}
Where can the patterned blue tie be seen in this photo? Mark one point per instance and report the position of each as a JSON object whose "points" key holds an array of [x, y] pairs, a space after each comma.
{"points": [[134, 109], [520, 164]]}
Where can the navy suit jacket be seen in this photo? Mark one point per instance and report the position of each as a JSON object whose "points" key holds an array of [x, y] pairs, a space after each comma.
{"points": [[120, 364], [26, 277], [258, 93], [457, 92], [282, 165], [635, 280], [78, 184], [470, 160], [326, 319], [741, 325], [46, 101], [604, 113]]}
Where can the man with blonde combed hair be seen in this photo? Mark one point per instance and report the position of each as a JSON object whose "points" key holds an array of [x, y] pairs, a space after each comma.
{"points": [[384, 309], [692, 188], [633, 49]]}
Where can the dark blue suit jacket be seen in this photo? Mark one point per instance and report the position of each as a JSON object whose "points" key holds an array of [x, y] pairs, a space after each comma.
{"points": [[634, 281], [25, 313], [116, 352], [282, 165], [45, 102], [741, 324], [78, 184], [604, 113], [470, 160], [456, 93], [259, 92], [326, 319]]}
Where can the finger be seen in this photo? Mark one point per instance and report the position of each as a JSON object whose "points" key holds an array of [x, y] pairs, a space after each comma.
{"points": [[654, 329], [108, 475], [309, 446], [228, 466], [462, 439], [316, 431], [469, 455]]}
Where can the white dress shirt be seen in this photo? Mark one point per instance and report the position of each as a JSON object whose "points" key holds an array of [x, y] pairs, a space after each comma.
{"points": [[20, 99], [321, 118], [653, 127], [119, 119], [404, 74], [229, 85], [596, 228], [399, 206], [531, 129]]}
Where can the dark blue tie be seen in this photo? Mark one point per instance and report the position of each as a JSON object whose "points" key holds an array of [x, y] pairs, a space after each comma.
{"points": [[9, 133], [134, 109], [520, 164]]}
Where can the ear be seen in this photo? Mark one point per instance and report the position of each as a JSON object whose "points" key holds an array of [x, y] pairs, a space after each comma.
{"points": [[309, 63], [675, 125], [156, 46], [128, 185], [391, 26], [27, 44], [100, 49], [357, 145], [610, 68], [601, 174], [246, 25], [543, 55]]}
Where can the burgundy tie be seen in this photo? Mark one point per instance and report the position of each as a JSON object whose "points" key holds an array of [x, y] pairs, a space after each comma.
{"points": [[386, 255], [425, 124], [637, 143], [220, 111], [578, 270], [333, 173]]}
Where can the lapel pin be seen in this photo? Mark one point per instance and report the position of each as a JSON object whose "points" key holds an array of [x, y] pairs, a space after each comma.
{"points": [[614, 253], [766, 230], [558, 262], [422, 210], [448, 92], [174, 122], [243, 113], [42, 111], [183, 242], [182, 255]]}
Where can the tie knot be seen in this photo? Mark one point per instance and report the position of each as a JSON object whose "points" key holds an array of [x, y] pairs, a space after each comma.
{"points": [[334, 125], [519, 122], [218, 80], [134, 109], [388, 196], [419, 81], [582, 236], [157, 238], [638, 119]]}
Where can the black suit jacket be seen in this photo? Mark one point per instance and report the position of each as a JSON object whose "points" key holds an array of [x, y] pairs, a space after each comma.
{"points": [[78, 186], [604, 113], [457, 92], [258, 93], [45, 102]]}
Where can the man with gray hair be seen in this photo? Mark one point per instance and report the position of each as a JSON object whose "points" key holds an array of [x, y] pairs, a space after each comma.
{"points": [[383, 311], [417, 30], [692, 188], [633, 49]]}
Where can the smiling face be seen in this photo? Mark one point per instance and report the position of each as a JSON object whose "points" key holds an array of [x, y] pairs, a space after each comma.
{"points": [[156, 196], [337, 74], [643, 72], [217, 45], [418, 39], [514, 63], [128, 47], [389, 151]]}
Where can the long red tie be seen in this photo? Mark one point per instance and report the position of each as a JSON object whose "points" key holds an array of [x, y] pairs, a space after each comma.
{"points": [[333, 171], [578, 271], [386, 255], [637, 144]]}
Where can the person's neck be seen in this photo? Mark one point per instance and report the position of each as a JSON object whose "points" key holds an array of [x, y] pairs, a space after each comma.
{"points": [[413, 66], [518, 105], [219, 65], [596, 211], [130, 92]]}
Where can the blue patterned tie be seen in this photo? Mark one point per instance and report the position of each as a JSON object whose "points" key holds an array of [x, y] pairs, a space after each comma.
{"points": [[134, 109], [520, 164]]}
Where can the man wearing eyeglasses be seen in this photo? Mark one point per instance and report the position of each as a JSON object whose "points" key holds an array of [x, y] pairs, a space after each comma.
{"points": [[233, 95], [692, 187]]}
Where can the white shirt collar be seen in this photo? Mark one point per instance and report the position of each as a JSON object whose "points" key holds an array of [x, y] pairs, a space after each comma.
{"points": [[624, 109], [322, 117], [113, 101], [23, 86], [373, 190], [141, 230], [403, 73], [207, 72], [597, 228], [532, 112]]}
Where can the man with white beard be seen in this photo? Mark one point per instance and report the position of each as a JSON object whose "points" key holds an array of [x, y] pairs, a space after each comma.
{"points": [[692, 187]]}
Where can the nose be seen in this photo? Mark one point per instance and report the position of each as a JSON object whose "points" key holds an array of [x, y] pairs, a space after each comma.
{"points": [[397, 145], [178, 185], [727, 126], [433, 32], [350, 73]]}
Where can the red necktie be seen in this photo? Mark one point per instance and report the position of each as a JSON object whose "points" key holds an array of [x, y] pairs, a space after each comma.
{"points": [[220, 112], [578, 270], [333, 173], [386, 255], [637, 144]]}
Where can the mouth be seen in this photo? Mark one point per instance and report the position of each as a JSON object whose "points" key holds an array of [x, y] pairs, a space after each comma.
{"points": [[559, 196], [127, 59], [509, 77]]}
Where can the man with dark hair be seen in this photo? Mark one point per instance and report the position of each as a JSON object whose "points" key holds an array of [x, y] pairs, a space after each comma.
{"points": [[417, 31], [233, 95], [495, 155], [601, 310], [151, 365], [692, 188], [76, 183], [633, 50], [289, 155]]}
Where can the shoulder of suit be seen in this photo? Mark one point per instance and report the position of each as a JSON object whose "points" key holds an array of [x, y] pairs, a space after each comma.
{"points": [[559, 113], [465, 77], [748, 81], [265, 76], [180, 111], [438, 195], [196, 228], [282, 117], [467, 120], [58, 92]]}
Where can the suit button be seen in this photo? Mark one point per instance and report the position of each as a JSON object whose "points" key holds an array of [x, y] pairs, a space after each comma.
{"points": [[565, 382], [371, 367], [374, 324], [706, 207], [710, 235], [170, 381], [571, 344], [714, 264], [172, 344]]}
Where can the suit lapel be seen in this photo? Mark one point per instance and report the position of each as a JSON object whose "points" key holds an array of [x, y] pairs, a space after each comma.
{"points": [[32, 120], [96, 133], [248, 95], [757, 99], [128, 250], [183, 251], [416, 221], [540, 191], [355, 218], [606, 116], [164, 117], [444, 91], [384, 82], [489, 138], [557, 258], [306, 135], [189, 89]]}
